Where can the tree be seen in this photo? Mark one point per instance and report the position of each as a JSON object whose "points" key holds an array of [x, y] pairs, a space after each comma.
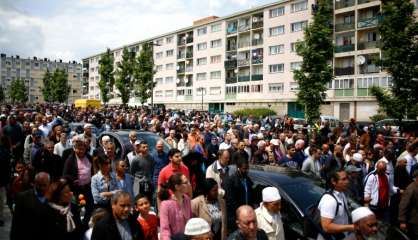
{"points": [[317, 53], [398, 30], [125, 78], [47, 86], [144, 74], [18, 91], [107, 80], [2, 94], [60, 87]]}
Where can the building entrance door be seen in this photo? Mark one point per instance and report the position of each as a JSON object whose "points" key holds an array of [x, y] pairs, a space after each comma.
{"points": [[344, 111]]}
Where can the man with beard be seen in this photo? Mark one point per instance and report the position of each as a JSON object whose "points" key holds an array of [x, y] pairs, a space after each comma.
{"points": [[365, 225], [46, 161]]}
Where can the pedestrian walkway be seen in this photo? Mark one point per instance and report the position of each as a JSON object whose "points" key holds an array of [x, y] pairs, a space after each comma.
{"points": [[5, 230]]}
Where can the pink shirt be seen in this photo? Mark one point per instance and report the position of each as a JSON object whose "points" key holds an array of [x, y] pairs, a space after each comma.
{"points": [[173, 217], [84, 171]]}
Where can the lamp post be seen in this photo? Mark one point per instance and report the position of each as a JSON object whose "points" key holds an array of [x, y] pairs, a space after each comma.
{"points": [[201, 92], [153, 71]]}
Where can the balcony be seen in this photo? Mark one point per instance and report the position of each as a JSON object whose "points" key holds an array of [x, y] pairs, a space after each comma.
{"points": [[371, 68], [231, 30], [258, 24], [257, 42], [230, 80], [189, 39], [256, 77], [344, 71], [244, 78], [257, 60], [230, 96], [243, 28], [231, 47], [349, 92], [344, 4], [344, 27], [181, 41], [189, 55], [181, 55], [368, 22], [364, 1], [189, 69], [244, 44], [188, 97], [181, 71], [230, 64], [243, 62], [368, 45], [344, 48], [363, 92]]}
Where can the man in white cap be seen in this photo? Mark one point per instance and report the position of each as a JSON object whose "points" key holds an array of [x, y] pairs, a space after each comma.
{"points": [[197, 229], [268, 214], [365, 224], [89, 134]]}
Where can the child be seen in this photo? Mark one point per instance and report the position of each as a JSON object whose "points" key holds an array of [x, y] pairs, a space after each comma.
{"points": [[148, 220]]}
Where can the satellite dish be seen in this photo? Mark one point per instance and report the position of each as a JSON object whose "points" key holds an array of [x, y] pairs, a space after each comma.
{"points": [[361, 60], [255, 19], [178, 67], [235, 70], [186, 80], [178, 80], [257, 36]]}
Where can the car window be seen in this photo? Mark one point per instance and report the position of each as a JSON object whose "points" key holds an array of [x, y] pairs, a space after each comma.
{"points": [[305, 194]]}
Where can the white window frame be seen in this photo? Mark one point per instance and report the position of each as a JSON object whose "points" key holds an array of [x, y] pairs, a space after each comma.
{"points": [[274, 31], [215, 59], [276, 49], [215, 91], [201, 76], [299, 6], [201, 61], [276, 87], [202, 46], [276, 12], [216, 43], [215, 75], [298, 26], [169, 93], [276, 68], [217, 27], [169, 80], [202, 31]]}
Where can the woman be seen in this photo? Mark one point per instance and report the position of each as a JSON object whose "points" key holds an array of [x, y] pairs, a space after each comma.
{"points": [[124, 181], [103, 185], [175, 208], [211, 207], [63, 219]]}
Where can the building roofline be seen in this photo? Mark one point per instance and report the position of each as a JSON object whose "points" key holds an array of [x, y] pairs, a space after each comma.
{"points": [[194, 26]]}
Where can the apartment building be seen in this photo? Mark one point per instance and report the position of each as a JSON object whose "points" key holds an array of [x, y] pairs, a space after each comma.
{"points": [[247, 60], [32, 71]]}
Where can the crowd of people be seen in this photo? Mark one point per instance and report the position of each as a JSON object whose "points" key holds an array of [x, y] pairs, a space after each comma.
{"points": [[64, 183]]}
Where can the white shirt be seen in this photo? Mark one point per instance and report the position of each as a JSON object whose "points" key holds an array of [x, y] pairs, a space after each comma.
{"points": [[224, 146], [271, 223], [410, 161], [59, 148]]}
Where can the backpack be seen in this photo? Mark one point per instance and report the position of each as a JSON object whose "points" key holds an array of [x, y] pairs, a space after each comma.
{"points": [[312, 221]]}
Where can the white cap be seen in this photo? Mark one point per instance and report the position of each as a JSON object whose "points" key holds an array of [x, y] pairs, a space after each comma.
{"points": [[260, 136], [261, 143], [275, 142], [137, 142], [365, 128], [196, 226], [262, 129], [88, 125], [271, 194], [357, 157], [105, 138], [360, 213]]}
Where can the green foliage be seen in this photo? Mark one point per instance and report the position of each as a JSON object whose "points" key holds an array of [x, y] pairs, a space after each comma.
{"points": [[256, 112], [398, 31], [144, 74], [125, 75], [47, 86], [18, 91], [377, 117], [60, 87], [317, 52], [107, 79]]}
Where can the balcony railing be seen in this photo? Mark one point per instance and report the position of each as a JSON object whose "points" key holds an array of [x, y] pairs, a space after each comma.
{"points": [[181, 55], [344, 4], [344, 26], [231, 30], [363, 92], [244, 62], [364, 1], [243, 78], [369, 69], [257, 42], [231, 47], [181, 70], [349, 92], [344, 71], [368, 22], [189, 39], [256, 77], [230, 80], [368, 45], [244, 44], [181, 41], [230, 96], [243, 28], [257, 60], [230, 64], [258, 24], [188, 97], [189, 55], [344, 48], [189, 69]]}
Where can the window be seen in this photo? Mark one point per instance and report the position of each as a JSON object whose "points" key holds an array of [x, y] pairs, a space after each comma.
{"points": [[158, 68], [216, 27], [276, 68], [189, 92], [201, 31], [169, 80], [294, 86], [298, 26], [169, 53], [275, 12], [159, 42], [295, 65], [201, 61], [344, 83], [215, 75], [169, 39], [231, 90], [276, 87], [274, 31], [299, 6], [158, 93], [244, 89], [159, 81], [200, 91], [180, 92], [293, 47], [368, 82], [169, 93], [215, 43], [200, 76], [257, 88], [215, 59], [215, 91], [158, 55], [169, 66], [201, 46], [273, 50]]}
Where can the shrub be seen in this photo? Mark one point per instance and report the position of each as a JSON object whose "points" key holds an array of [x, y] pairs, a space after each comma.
{"points": [[255, 112], [378, 117]]}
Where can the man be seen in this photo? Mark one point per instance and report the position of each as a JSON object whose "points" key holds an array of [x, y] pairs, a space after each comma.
{"points": [[32, 148], [212, 149], [135, 152], [13, 131], [408, 208], [312, 165], [119, 224], [171, 139], [268, 214], [30, 211], [219, 170], [176, 165], [46, 161], [333, 222], [247, 225], [226, 144], [100, 151], [378, 190], [61, 145], [238, 189], [129, 147], [365, 224], [161, 160], [110, 153], [89, 134], [261, 155], [410, 157], [289, 159], [299, 156], [142, 168], [197, 229], [355, 186]]}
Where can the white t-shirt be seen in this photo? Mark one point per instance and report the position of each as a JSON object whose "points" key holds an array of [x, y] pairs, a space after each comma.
{"points": [[224, 146]]}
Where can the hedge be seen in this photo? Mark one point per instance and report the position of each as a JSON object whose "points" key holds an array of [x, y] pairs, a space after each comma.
{"points": [[255, 112]]}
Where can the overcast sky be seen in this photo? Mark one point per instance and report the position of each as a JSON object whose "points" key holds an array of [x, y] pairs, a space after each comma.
{"points": [[74, 29]]}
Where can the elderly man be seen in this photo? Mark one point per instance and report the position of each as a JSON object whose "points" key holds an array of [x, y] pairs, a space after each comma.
{"points": [[365, 224], [197, 229], [247, 225], [268, 214], [129, 146], [89, 134], [299, 156]]}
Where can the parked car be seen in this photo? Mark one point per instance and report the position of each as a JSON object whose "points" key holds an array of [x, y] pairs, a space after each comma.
{"points": [[299, 123], [299, 193], [396, 125], [120, 138], [79, 128], [333, 121]]}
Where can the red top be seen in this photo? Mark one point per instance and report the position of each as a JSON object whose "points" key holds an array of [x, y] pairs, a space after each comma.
{"points": [[383, 191], [149, 227], [168, 170]]}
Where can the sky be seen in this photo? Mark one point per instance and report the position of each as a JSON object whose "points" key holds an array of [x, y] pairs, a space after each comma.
{"points": [[75, 29]]}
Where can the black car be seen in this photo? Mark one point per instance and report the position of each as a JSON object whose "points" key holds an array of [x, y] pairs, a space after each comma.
{"points": [[299, 193], [120, 138]]}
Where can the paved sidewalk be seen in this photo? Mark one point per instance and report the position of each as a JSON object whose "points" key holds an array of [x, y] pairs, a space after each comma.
{"points": [[5, 230]]}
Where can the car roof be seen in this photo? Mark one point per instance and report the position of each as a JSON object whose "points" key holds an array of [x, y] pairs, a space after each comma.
{"points": [[279, 175]]}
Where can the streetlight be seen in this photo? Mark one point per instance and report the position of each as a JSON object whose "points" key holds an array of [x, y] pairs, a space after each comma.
{"points": [[201, 92], [153, 71]]}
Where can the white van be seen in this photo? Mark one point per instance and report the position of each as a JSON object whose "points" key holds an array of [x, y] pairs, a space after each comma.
{"points": [[333, 121]]}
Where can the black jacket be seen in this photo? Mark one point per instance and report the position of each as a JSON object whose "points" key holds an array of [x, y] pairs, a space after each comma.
{"points": [[71, 168], [106, 229], [57, 225]]}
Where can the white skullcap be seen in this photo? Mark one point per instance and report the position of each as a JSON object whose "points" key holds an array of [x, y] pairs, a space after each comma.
{"points": [[365, 128], [357, 157], [105, 138], [261, 143], [262, 129], [137, 142], [88, 125], [271, 194], [275, 142], [260, 136], [361, 213], [299, 142], [196, 226]]}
